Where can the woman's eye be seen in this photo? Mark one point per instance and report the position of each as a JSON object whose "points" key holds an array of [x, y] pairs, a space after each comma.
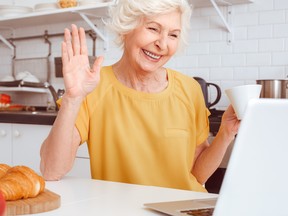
{"points": [[153, 29], [174, 35]]}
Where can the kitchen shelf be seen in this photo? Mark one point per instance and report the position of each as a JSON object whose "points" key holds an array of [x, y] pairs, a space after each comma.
{"points": [[55, 16], [216, 4], [59, 15], [23, 89], [207, 3]]}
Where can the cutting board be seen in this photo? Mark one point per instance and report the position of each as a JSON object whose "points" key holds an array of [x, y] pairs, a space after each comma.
{"points": [[46, 201]]}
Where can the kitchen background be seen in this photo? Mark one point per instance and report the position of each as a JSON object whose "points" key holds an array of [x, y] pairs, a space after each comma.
{"points": [[257, 48]]}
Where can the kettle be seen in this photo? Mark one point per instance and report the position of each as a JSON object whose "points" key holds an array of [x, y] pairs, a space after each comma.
{"points": [[205, 86]]}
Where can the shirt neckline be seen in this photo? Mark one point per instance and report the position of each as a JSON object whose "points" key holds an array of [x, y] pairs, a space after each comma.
{"points": [[138, 94]]}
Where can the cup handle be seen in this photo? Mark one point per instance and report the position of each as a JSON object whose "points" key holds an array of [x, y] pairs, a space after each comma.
{"points": [[218, 94]]}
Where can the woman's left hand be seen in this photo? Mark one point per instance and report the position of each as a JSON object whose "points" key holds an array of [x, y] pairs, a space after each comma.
{"points": [[230, 124], [209, 156]]}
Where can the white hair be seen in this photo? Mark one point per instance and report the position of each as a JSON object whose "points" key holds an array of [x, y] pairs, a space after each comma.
{"points": [[127, 14]]}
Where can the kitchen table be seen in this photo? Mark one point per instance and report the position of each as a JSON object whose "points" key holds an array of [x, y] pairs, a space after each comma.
{"points": [[80, 196]]}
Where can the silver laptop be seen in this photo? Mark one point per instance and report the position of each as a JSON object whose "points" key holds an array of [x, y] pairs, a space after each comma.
{"points": [[256, 180]]}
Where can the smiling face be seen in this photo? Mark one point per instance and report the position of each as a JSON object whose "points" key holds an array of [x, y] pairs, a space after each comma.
{"points": [[153, 43]]}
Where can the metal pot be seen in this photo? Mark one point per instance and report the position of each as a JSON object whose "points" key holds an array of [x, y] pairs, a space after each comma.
{"points": [[273, 88], [205, 86]]}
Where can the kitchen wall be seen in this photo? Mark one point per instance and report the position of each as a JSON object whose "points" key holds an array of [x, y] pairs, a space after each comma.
{"points": [[257, 48]]}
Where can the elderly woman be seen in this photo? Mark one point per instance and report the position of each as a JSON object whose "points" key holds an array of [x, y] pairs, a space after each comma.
{"points": [[143, 123]]}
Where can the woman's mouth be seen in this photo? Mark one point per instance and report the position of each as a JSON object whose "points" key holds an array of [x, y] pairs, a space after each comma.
{"points": [[151, 55]]}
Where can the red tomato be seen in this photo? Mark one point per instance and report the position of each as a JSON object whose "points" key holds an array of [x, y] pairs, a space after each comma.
{"points": [[4, 98], [2, 205]]}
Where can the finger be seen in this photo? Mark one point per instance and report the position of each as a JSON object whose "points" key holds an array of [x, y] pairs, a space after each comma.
{"points": [[230, 109], [75, 40], [83, 44], [67, 40], [65, 57], [97, 64], [231, 112]]}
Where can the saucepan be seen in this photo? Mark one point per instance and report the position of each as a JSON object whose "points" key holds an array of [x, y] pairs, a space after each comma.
{"points": [[273, 88]]}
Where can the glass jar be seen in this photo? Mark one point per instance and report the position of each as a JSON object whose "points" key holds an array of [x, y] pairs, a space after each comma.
{"points": [[67, 3]]}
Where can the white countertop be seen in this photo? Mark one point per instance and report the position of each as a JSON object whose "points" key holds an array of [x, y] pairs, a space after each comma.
{"points": [[94, 197]]}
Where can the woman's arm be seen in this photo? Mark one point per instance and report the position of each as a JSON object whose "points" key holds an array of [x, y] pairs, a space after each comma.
{"points": [[209, 156], [59, 149]]}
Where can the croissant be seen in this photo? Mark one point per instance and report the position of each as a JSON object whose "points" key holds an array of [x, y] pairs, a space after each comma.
{"points": [[21, 182], [3, 169]]}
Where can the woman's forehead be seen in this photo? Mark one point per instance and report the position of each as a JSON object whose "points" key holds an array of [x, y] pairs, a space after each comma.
{"points": [[171, 20]]}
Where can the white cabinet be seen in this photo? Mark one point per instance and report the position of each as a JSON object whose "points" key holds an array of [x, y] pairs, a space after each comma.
{"points": [[5, 143], [20, 145], [26, 142]]}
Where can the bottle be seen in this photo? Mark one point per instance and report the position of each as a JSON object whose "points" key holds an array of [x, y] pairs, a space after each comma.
{"points": [[50, 105]]}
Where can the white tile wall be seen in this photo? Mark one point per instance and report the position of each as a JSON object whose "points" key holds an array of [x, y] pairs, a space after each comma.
{"points": [[259, 49]]}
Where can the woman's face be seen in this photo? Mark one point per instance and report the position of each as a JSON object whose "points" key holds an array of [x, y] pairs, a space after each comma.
{"points": [[149, 46]]}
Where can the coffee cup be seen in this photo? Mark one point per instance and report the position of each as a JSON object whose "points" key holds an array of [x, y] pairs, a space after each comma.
{"points": [[239, 97]]}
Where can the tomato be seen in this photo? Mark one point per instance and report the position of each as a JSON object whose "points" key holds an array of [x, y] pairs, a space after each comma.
{"points": [[4, 98], [2, 205]]}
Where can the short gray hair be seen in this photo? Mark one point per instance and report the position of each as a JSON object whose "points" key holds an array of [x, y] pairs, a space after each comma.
{"points": [[126, 15]]}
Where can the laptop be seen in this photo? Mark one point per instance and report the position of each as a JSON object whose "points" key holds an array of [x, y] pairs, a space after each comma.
{"points": [[256, 179]]}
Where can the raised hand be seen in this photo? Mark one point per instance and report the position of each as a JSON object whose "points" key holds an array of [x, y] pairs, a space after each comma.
{"points": [[79, 78]]}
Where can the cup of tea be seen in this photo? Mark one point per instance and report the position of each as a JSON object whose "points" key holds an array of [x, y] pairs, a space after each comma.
{"points": [[239, 97]]}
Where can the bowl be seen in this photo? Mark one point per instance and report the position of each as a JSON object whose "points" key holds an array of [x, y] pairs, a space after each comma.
{"points": [[27, 76]]}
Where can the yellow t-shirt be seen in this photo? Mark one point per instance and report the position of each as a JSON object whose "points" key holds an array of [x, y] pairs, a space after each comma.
{"points": [[144, 138]]}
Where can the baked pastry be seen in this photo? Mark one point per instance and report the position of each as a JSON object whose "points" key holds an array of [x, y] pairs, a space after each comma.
{"points": [[67, 3], [3, 169], [21, 182]]}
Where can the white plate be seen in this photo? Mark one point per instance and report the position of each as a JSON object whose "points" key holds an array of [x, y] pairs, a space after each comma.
{"points": [[12, 10], [46, 6]]}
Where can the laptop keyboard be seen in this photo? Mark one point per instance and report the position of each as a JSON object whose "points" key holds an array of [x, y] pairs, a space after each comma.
{"points": [[199, 212]]}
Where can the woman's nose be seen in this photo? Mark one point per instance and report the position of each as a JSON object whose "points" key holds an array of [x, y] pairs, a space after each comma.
{"points": [[161, 42]]}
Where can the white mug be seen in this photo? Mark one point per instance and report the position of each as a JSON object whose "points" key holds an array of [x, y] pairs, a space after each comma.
{"points": [[239, 97]]}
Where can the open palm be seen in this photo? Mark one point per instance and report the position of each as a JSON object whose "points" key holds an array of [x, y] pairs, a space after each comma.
{"points": [[79, 78]]}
